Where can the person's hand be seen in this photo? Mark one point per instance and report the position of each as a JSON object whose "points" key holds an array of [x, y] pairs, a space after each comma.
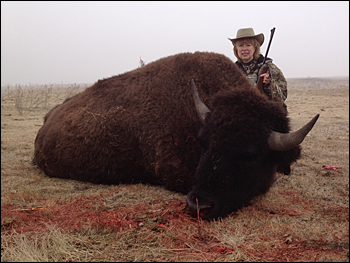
{"points": [[266, 77]]}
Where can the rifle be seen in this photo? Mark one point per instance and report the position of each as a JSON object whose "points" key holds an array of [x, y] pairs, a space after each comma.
{"points": [[264, 67]]}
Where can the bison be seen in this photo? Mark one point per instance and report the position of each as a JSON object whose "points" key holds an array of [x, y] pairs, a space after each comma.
{"points": [[149, 125]]}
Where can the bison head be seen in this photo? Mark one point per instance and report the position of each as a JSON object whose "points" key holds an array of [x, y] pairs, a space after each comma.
{"points": [[245, 139]]}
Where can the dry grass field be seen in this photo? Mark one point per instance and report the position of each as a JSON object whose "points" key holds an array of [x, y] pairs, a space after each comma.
{"points": [[304, 217]]}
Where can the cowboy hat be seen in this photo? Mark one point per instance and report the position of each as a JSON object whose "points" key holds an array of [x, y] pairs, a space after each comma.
{"points": [[247, 33]]}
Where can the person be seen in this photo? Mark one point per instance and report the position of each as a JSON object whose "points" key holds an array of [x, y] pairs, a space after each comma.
{"points": [[246, 48]]}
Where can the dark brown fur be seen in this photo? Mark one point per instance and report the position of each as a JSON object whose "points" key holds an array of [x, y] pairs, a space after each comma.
{"points": [[140, 126], [236, 163]]}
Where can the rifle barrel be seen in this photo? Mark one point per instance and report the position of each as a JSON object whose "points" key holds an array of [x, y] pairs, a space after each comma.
{"points": [[268, 47]]}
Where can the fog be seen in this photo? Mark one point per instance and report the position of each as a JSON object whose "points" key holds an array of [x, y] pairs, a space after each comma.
{"points": [[81, 42]]}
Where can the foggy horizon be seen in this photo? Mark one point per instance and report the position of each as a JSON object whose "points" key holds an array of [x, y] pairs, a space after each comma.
{"points": [[82, 42]]}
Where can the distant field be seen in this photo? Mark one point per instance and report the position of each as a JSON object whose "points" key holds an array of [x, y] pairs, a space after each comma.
{"points": [[304, 217]]}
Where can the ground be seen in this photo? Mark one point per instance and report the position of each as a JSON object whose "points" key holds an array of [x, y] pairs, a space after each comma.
{"points": [[304, 217]]}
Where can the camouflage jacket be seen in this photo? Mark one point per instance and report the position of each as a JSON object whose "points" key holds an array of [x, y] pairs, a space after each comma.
{"points": [[277, 88]]}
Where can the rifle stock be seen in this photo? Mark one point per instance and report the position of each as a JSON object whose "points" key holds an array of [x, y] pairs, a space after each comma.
{"points": [[264, 67], [260, 83]]}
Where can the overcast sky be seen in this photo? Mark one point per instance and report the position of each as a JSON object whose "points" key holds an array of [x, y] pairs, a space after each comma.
{"points": [[81, 42]]}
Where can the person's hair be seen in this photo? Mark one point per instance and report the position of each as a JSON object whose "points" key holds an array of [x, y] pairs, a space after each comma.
{"points": [[251, 41]]}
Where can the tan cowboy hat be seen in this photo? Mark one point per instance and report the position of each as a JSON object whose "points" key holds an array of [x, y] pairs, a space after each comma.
{"points": [[248, 33]]}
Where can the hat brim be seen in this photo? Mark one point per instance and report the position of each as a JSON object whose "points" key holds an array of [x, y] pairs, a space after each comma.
{"points": [[259, 38]]}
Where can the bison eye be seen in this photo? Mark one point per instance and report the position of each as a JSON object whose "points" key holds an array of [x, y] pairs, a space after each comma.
{"points": [[204, 144], [202, 141]]}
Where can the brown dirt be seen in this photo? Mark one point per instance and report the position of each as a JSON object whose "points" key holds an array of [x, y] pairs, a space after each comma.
{"points": [[304, 217]]}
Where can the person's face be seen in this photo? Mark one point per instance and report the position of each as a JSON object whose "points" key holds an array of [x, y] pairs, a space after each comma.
{"points": [[245, 51]]}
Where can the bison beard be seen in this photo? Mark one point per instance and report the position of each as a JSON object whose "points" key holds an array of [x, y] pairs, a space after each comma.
{"points": [[142, 126], [236, 163]]}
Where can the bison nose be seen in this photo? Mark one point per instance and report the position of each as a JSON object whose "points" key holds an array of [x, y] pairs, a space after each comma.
{"points": [[198, 204]]}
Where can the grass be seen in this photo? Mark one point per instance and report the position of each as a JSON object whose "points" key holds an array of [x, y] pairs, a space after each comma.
{"points": [[304, 217]]}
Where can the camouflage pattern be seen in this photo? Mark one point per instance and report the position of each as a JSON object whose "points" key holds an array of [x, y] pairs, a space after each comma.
{"points": [[277, 88]]}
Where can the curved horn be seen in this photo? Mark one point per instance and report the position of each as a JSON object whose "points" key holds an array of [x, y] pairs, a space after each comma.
{"points": [[286, 141], [201, 108]]}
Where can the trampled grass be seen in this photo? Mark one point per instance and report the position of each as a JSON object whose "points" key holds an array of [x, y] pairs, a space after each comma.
{"points": [[304, 217]]}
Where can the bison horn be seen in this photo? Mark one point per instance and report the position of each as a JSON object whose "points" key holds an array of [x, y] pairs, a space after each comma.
{"points": [[201, 108], [286, 141]]}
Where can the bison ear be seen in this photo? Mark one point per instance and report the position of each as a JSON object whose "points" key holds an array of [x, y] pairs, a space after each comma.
{"points": [[201, 108], [285, 141]]}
